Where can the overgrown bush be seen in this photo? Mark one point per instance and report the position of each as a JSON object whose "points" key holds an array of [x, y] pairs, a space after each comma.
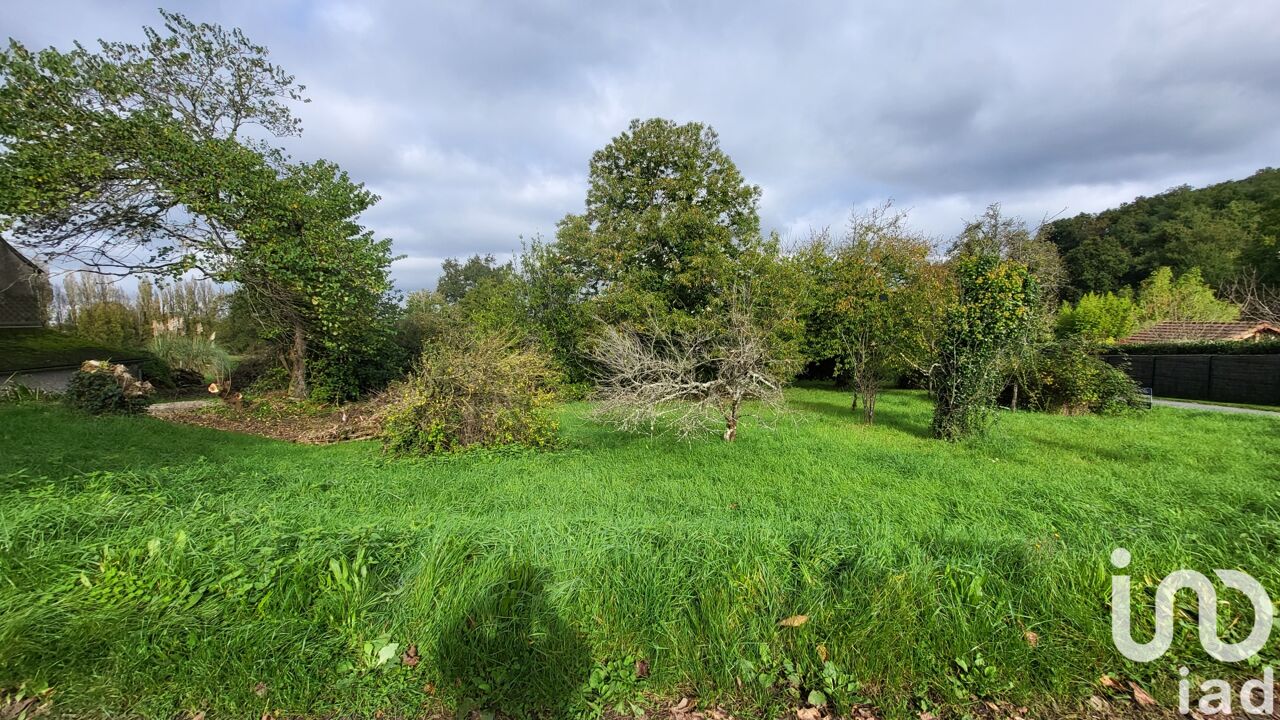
{"points": [[1068, 380], [100, 388], [472, 392]]}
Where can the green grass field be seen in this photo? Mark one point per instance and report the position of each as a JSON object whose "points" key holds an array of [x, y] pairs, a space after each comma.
{"points": [[33, 348], [149, 569]]}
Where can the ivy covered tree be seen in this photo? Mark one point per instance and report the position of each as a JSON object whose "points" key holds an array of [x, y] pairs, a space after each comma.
{"points": [[997, 299]]}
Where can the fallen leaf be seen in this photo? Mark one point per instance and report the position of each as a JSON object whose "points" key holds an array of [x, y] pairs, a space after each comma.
{"points": [[1097, 703], [794, 621], [429, 688], [1031, 638], [811, 713], [410, 657], [198, 716], [683, 706], [1109, 683], [260, 690], [1141, 696], [642, 668], [926, 715], [823, 655]]}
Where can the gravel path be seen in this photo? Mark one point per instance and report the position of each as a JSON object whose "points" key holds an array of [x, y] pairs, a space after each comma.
{"points": [[1186, 405]]}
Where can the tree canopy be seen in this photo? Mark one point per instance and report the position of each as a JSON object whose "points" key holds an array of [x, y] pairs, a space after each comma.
{"points": [[1227, 230]]}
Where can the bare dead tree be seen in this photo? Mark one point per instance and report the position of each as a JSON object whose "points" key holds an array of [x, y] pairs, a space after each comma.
{"points": [[688, 381], [1258, 302]]}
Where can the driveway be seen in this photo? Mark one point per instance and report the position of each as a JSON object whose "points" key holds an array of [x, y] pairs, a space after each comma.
{"points": [[1188, 405]]}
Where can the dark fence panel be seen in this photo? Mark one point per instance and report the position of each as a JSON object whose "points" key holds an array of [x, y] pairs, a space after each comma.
{"points": [[1222, 378]]}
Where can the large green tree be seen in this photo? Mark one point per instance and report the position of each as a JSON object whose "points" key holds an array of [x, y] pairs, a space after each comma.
{"points": [[668, 217], [96, 144], [136, 159]]}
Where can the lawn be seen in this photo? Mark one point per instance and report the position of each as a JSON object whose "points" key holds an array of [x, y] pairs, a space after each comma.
{"points": [[36, 348], [150, 569]]}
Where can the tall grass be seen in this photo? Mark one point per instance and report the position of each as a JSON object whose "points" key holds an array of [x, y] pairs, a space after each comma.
{"points": [[149, 569], [191, 352]]}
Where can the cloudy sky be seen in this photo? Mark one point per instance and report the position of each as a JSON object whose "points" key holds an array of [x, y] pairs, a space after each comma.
{"points": [[475, 121]]}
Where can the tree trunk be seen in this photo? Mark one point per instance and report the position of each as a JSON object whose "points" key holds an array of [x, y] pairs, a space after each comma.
{"points": [[1014, 404], [869, 404], [298, 363], [731, 425], [853, 406]]}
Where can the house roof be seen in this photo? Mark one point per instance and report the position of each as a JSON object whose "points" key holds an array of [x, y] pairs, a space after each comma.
{"points": [[4, 244], [1180, 331]]}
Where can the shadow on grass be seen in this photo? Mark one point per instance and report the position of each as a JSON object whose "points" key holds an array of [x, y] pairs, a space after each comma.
{"points": [[511, 652], [890, 417]]}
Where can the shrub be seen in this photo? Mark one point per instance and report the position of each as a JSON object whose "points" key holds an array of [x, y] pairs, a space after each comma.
{"points": [[472, 392], [99, 387], [1068, 380]]}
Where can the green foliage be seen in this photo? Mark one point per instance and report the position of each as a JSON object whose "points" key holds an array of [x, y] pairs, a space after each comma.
{"points": [[1161, 297], [976, 677], [110, 145], [997, 300], [1067, 378], [1104, 318], [470, 391], [460, 278], [555, 312], [615, 687], [1007, 238], [1224, 347], [318, 281], [425, 320], [800, 683], [1224, 229], [1099, 318], [138, 147], [871, 302], [111, 324], [103, 392], [668, 218]]}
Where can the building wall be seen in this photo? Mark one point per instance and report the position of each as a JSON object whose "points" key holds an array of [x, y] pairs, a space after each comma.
{"points": [[20, 301]]}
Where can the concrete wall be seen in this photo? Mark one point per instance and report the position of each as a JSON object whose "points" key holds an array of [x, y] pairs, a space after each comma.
{"points": [[1222, 378]]}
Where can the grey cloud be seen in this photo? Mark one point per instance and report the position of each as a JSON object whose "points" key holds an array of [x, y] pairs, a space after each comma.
{"points": [[475, 121]]}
